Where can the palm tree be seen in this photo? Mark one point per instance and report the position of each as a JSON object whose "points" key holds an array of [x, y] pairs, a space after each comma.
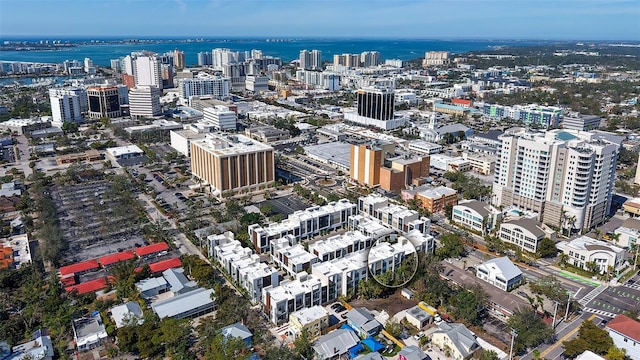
{"points": [[563, 258], [598, 233]]}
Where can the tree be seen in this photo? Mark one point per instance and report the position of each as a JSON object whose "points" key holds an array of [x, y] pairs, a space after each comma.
{"points": [[487, 355], [547, 248], [616, 353], [452, 246], [394, 328], [532, 331], [469, 303], [266, 209], [590, 337], [303, 345]]}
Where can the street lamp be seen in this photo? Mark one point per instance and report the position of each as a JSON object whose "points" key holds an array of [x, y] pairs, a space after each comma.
{"points": [[514, 335]]}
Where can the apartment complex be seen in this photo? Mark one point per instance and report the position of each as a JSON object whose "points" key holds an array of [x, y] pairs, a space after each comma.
{"points": [[436, 58], [303, 224], [314, 320], [65, 105], [290, 256], [290, 296], [216, 86], [396, 217], [543, 116], [565, 176], [311, 60], [232, 162]]}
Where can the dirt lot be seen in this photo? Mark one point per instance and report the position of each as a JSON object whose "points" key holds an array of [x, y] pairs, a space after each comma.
{"points": [[392, 305]]}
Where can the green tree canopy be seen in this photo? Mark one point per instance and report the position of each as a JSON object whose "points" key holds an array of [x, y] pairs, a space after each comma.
{"points": [[532, 331]]}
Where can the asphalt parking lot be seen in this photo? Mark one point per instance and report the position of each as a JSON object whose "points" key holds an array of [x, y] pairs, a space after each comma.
{"points": [[286, 205], [616, 300]]}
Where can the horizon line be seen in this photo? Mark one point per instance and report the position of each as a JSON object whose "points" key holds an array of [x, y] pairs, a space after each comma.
{"points": [[306, 37]]}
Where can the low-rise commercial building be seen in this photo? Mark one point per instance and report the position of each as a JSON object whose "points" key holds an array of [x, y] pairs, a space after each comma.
{"points": [[475, 215], [526, 233], [187, 305], [266, 133], [484, 164], [628, 234], [221, 116], [584, 252], [435, 200], [500, 272]]}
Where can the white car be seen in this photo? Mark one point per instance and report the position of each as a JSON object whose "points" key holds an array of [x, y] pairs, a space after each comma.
{"points": [[418, 335]]}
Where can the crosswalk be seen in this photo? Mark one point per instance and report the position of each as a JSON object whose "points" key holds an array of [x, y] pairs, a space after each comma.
{"points": [[600, 312], [592, 295], [632, 286]]}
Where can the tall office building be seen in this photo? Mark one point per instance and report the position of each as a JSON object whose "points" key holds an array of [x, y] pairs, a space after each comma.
{"points": [[566, 176], [178, 59], [217, 86], [147, 71], [144, 102], [104, 101], [88, 65], [205, 59], [65, 106], [311, 60], [370, 58], [366, 161], [376, 103], [232, 162]]}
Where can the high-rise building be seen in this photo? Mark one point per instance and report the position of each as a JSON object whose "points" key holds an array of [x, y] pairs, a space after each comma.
{"points": [[116, 65], [205, 59], [178, 59], [256, 54], [65, 106], [167, 76], [376, 103], [221, 117], [88, 65], [144, 102], [104, 101], [311, 60], [217, 86], [436, 58], [566, 176], [232, 162], [147, 71], [370, 58]]}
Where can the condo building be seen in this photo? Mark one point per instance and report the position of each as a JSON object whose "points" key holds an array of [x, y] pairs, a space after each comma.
{"points": [[144, 102], [566, 176]]}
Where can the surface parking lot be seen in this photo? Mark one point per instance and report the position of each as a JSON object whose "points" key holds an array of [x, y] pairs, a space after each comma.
{"points": [[286, 205], [616, 300], [94, 222]]}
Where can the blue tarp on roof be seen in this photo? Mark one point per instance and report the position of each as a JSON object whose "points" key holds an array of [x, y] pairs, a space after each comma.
{"points": [[354, 351], [372, 344], [347, 327]]}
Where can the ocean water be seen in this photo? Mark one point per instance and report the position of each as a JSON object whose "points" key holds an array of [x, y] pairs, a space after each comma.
{"points": [[404, 49]]}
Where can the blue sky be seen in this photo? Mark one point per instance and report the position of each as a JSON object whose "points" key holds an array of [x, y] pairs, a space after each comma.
{"points": [[432, 19]]}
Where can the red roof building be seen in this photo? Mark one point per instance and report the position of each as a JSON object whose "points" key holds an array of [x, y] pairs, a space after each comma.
{"points": [[462, 102], [151, 249], [625, 326], [88, 286], [116, 258], [165, 264], [79, 267]]}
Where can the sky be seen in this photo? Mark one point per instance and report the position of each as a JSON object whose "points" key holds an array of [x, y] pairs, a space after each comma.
{"points": [[424, 19]]}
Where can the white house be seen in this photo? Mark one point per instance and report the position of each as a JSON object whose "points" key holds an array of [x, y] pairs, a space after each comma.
{"points": [[625, 333], [584, 249], [457, 338], [500, 272]]}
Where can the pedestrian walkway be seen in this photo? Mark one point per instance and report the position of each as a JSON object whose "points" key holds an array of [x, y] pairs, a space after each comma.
{"points": [[578, 278], [592, 295], [600, 312]]}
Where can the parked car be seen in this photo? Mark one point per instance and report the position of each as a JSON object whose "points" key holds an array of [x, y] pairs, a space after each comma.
{"points": [[418, 335]]}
